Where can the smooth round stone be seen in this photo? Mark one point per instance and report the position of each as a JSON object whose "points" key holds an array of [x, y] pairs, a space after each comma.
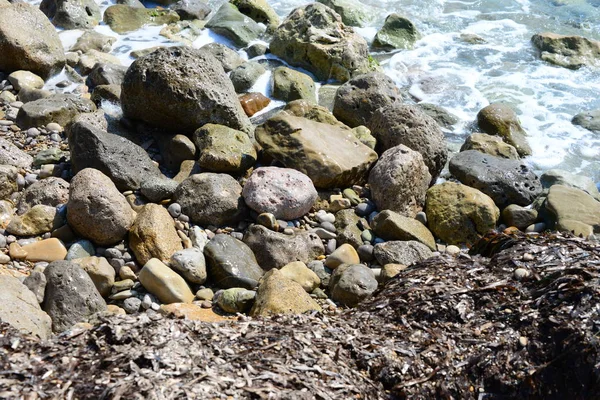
{"points": [[324, 234], [452, 250], [4, 258], [20, 181], [113, 253], [205, 294], [116, 263], [147, 302], [520, 273], [364, 209], [351, 195], [365, 252], [288, 231], [328, 226], [54, 127], [174, 210], [80, 249], [323, 216], [268, 220], [125, 272], [183, 218], [125, 294], [378, 240], [33, 132], [132, 305], [331, 246], [421, 217], [127, 257], [367, 236], [282, 224], [55, 137], [539, 227], [30, 178]]}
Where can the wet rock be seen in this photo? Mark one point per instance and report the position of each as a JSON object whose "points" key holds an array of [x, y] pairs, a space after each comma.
{"points": [[234, 25], [59, 108], [274, 250], [191, 9], [397, 32], [180, 92], [106, 74], [122, 18], [222, 149], [500, 120], [351, 284], [389, 225], [313, 37], [92, 40], [236, 300], [353, 13], [153, 235], [459, 214], [286, 193], [231, 263], [100, 271], [279, 295], [253, 102], [28, 41], [259, 11], [228, 57], [165, 283], [505, 181], [443, 117], [71, 295], [191, 264], [289, 85], [246, 75], [96, 210], [492, 145], [589, 120], [399, 181], [401, 252], [211, 199], [72, 14], [571, 52]]}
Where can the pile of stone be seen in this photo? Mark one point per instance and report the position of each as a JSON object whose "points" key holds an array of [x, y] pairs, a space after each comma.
{"points": [[184, 204]]}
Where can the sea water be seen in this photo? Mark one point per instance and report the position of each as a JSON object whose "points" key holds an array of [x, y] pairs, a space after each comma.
{"points": [[463, 77]]}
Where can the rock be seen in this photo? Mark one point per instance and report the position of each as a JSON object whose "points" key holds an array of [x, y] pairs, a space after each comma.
{"points": [[92, 40], [80, 249], [246, 75], [36, 283], [571, 52], [518, 216], [259, 11], [106, 74], [124, 162], [397, 123], [459, 214], [234, 25], [274, 250], [253, 102], [158, 189], [289, 85], [122, 18], [301, 274], [19, 308], [589, 120], [48, 156], [190, 264], [573, 210], [110, 93], [345, 254], [8, 181], [12, 155], [347, 228], [279, 295], [89, 59], [353, 13], [211, 199], [181, 88], [153, 235], [313, 37], [25, 79], [228, 57], [399, 181], [36, 221], [389, 225], [397, 32], [72, 14], [286, 193], [236, 300], [222, 149], [46, 250], [100, 271], [492, 145], [559, 177], [401, 252], [388, 271], [59, 108], [357, 100], [351, 284], [231, 263], [175, 149], [96, 210], [28, 41], [205, 294], [71, 295], [440, 115], [330, 155], [51, 191], [500, 120], [505, 181], [165, 283], [191, 9]]}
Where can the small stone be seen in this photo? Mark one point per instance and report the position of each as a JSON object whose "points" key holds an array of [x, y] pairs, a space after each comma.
{"points": [[268, 220], [190, 263], [367, 236], [331, 246], [205, 294], [324, 234], [174, 210], [323, 216], [328, 226], [54, 127], [236, 300], [520, 273], [528, 257], [364, 209], [523, 341], [165, 283], [388, 271], [351, 284], [45, 250], [339, 204], [421, 217], [100, 271], [122, 285], [36, 282], [452, 250], [352, 196], [345, 254], [538, 227], [132, 305], [365, 252], [122, 295], [80, 249], [125, 272], [300, 273]]}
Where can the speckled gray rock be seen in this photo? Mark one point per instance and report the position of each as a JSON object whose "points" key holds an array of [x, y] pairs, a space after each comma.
{"points": [[191, 264], [20, 308], [211, 199], [229, 58], [72, 14], [401, 252], [8, 181], [181, 88], [406, 124], [80, 249], [106, 74], [158, 189], [351, 284], [50, 191], [231, 263], [59, 108], [12, 155], [505, 181], [71, 295], [274, 250], [96, 210], [244, 76], [399, 181], [286, 193]]}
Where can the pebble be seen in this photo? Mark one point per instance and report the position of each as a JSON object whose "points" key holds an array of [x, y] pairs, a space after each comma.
{"points": [[365, 252], [125, 272], [132, 305], [116, 263], [421, 217], [21, 181], [364, 209], [55, 137], [523, 341], [205, 294], [174, 210], [184, 218], [328, 226], [331, 246], [237, 235], [2, 241], [10, 239], [288, 231], [4, 258], [528, 257], [367, 236], [30, 178], [339, 204], [323, 216], [33, 132], [54, 127], [352, 196], [452, 250], [127, 257], [539, 227], [120, 286], [324, 234], [155, 306], [147, 302], [112, 253], [520, 273], [122, 295], [268, 220], [179, 225], [206, 304]]}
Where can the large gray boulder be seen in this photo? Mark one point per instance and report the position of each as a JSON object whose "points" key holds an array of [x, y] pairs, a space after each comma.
{"points": [[19, 307], [357, 100], [96, 210], [399, 181], [126, 163], [314, 37], [231, 263], [72, 14], [59, 108], [71, 295], [505, 181], [211, 199], [401, 252], [180, 89], [275, 250], [28, 41], [405, 124]]}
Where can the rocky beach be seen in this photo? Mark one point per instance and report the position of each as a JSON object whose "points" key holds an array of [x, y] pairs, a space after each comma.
{"points": [[243, 200]]}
